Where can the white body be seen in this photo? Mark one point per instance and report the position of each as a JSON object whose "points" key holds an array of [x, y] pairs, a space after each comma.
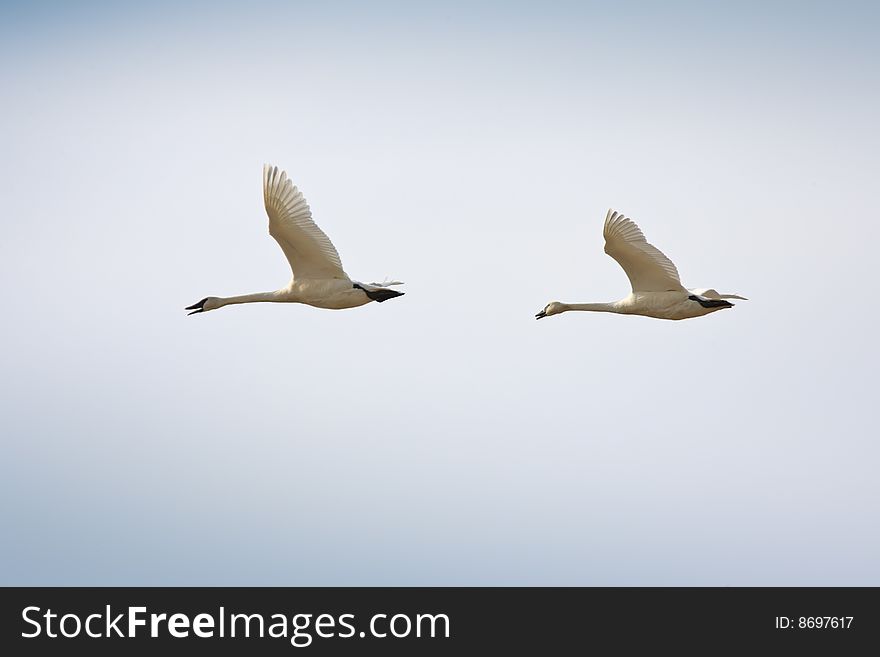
{"points": [[660, 305], [318, 278], [656, 287]]}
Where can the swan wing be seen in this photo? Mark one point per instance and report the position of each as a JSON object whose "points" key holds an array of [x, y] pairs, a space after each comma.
{"points": [[647, 268], [309, 251]]}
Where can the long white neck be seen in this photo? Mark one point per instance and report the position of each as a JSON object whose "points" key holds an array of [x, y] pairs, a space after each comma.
{"points": [[595, 307], [247, 298]]}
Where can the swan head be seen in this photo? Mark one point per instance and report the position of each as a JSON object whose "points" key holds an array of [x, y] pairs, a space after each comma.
{"points": [[552, 308], [208, 303]]}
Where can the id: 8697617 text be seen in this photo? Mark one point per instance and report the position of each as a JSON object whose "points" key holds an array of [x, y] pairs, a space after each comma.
{"points": [[814, 622]]}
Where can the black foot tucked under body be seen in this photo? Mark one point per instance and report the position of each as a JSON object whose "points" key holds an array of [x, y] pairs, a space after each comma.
{"points": [[711, 303], [379, 295]]}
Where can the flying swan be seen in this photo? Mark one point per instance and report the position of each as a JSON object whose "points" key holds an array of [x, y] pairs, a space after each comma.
{"points": [[318, 279], [656, 288]]}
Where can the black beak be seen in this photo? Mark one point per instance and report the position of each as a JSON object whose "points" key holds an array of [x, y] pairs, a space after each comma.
{"points": [[540, 315], [197, 307]]}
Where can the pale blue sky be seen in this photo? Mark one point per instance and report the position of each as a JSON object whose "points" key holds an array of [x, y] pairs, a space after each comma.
{"points": [[446, 437]]}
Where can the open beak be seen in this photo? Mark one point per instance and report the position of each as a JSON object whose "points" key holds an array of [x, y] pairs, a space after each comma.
{"points": [[197, 307], [540, 315]]}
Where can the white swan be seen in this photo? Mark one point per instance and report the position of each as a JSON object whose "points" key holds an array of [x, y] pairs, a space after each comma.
{"points": [[318, 279], [656, 288]]}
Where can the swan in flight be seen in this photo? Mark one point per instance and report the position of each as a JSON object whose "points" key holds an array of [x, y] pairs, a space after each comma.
{"points": [[656, 288], [318, 279]]}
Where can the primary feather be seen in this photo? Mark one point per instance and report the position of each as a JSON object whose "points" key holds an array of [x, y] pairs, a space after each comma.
{"points": [[646, 266], [309, 251]]}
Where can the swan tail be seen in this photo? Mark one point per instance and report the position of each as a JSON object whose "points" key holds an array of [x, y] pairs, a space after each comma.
{"points": [[385, 283], [709, 293]]}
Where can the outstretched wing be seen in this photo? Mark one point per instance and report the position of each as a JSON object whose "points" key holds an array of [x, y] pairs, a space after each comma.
{"points": [[309, 251], [645, 265]]}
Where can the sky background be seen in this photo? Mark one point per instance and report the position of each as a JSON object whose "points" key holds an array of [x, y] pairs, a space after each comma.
{"points": [[446, 437]]}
